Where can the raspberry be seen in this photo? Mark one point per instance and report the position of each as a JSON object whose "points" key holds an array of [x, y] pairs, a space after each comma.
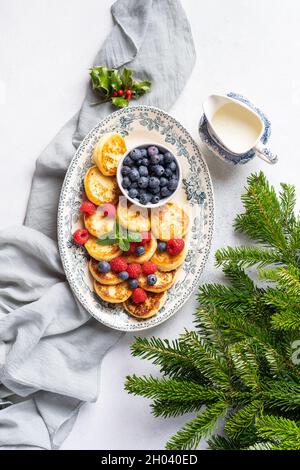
{"points": [[146, 237], [175, 246], [81, 236], [88, 208], [109, 210], [134, 270], [149, 268], [139, 295], [119, 264]]}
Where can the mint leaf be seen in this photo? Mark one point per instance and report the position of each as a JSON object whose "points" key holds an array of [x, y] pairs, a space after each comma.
{"points": [[100, 79], [120, 102], [126, 77], [107, 241], [134, 237], [124, 244]]}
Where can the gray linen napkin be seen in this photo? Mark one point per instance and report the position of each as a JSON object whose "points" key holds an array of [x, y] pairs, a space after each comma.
{"points": [[50, 347]]}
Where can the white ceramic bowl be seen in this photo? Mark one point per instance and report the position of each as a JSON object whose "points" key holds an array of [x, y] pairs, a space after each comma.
{"points": [[135, 201]]}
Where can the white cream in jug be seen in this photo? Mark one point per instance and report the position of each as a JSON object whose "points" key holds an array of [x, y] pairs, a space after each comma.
{"points": [[238, 128]]}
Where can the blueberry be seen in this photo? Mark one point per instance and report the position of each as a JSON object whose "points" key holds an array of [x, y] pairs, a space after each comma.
{"points": [[145, 161], [165, 192], [139, 162], [152, 150], [134, 174], [161, 158], [154, 159], [168, 173], [134, 185], [161, 246], [103, 267], [158, 170], [172, 166], [139, 250], [163, 181], [143, 152], [155, 190], [132, 193], [168, 158], [155, 199], [133, 283], [125, 170], [151, 279], [135, 154], [126, 182], [145, 198], [124, 275], [127, 161], [143, 171], [143, 182], [172, 184], [153, 182]]}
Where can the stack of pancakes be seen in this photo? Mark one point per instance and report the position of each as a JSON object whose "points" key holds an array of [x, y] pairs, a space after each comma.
{"points": [[166, 222]]}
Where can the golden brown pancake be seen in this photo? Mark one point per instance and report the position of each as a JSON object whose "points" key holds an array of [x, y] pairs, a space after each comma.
{"points": [[114, 294], [109, 278], [148, 308], [165, 280]]}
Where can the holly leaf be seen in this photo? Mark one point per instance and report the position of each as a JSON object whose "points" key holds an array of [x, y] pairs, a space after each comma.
{"points": [[134, 237], [120, 102], [101, 79], [124, 244], [126, 77], [140, 88], [115, 80]]}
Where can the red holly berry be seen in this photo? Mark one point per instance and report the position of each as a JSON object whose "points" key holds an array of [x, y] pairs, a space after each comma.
{"points": [[175, 246], [149, 268], [120, 92], [134, 270], [118, 264], [139, 295], [109, 210], [81, 236], [88, 207], [146, 237], [128, 94], [115, 94]]}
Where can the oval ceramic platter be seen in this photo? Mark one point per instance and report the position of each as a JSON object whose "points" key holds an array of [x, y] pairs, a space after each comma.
{"points": [[139, 124]]}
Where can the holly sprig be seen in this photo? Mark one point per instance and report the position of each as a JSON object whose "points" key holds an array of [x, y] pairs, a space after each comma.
{"points": [[119, 87], [121, 237]]}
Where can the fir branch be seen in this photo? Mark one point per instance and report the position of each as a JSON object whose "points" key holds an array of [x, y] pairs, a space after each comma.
{"points": [[262, 218], [188, 437], [168, 408], [282, 431], [170, 389], [172, 358], [243, 420], [238, 362], [247, 256]]}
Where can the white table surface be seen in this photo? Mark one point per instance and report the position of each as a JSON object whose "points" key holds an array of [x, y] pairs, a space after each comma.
{"points": [[46, 48]]}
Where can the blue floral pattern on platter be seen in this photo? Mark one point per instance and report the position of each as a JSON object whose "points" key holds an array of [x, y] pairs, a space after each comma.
{"points": [[222, 153], [139, 124]]}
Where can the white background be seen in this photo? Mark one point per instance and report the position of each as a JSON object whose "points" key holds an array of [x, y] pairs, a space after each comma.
{"points": [[46, 48]]}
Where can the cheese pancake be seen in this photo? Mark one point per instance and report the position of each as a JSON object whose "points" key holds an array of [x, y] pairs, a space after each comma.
{"points": [[147, 309]]}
